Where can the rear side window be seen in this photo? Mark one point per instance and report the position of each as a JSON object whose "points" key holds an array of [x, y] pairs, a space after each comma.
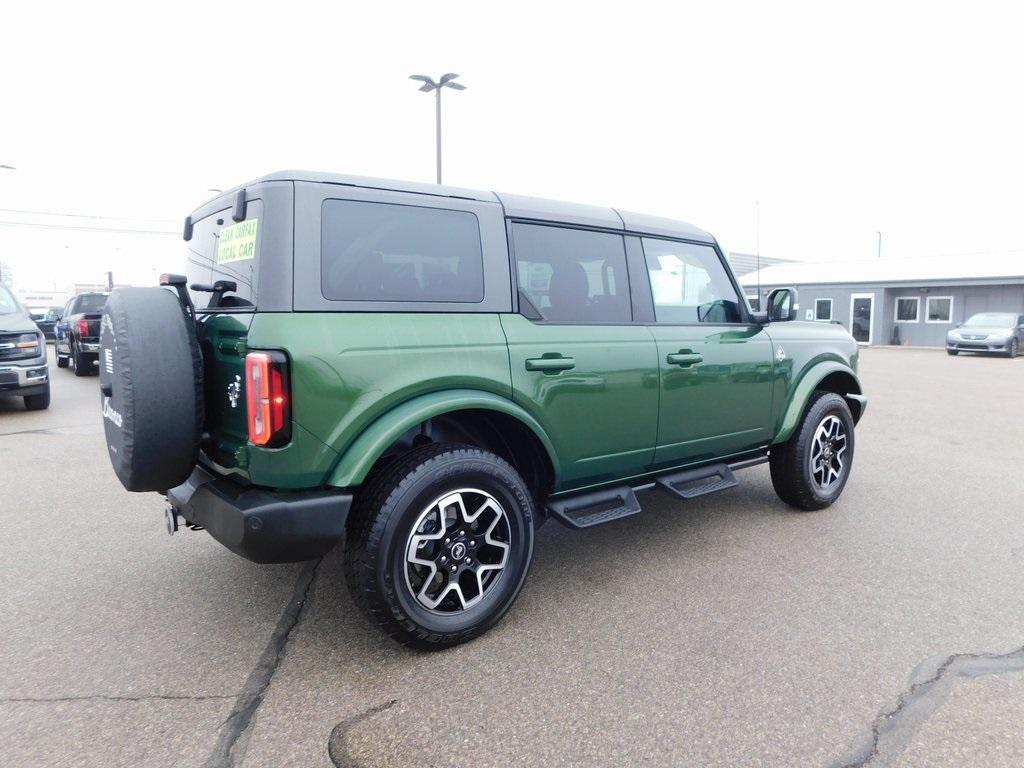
{"points": [[389, 252], [573, 275]]}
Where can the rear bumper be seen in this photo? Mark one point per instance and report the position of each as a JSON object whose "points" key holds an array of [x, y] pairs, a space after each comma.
{"points": [[259, 524]]}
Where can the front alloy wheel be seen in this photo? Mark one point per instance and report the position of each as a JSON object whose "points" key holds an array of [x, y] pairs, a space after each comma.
{"points": [[810, 470], [827, 448]]}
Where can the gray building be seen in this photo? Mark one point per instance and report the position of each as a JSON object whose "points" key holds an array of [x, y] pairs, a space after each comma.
{"points": [[897, 301]]}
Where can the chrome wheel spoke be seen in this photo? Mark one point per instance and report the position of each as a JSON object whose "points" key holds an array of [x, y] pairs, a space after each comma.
{"points": [[454, 557], [828, 445]]}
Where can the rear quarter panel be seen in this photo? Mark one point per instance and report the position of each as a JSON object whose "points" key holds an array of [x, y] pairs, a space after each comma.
{"points": [[350, 368]]}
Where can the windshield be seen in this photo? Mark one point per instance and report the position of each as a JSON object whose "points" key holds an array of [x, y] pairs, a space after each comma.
{"points": [[992, 320], [90, 303], [8, 304]]}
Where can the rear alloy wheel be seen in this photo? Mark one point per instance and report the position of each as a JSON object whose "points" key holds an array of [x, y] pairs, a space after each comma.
{"points": [[810, 470], [457, 550], [439, 545]]}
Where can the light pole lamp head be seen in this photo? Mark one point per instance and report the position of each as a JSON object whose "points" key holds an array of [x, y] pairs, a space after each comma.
{"points": [[428, 83], [446, 81]]}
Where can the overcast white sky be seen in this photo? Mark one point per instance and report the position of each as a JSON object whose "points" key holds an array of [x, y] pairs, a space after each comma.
{"points": [[839, 119]]}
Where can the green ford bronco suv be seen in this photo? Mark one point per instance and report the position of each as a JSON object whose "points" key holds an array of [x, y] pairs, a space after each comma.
{"points": [[430, 372]]}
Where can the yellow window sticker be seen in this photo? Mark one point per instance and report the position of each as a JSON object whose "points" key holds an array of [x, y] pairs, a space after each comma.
{"points": [[237, 242]]}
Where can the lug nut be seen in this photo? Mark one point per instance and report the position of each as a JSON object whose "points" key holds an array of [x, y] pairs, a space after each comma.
{"points": [[447, 541], [454, 568], [462, 533], [444, 559], [472, 543], [468, 561]]}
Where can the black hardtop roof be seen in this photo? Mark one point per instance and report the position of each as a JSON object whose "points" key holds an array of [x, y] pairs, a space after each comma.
{"points": [[515, 206]]}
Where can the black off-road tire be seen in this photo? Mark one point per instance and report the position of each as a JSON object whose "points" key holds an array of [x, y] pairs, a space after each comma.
{"points": [[382, 519], [62, 362], [790, 461], [81, 363], [151, 388], [38, 402]]}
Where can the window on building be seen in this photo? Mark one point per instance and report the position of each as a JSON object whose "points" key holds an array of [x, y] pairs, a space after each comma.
{"points": [[823, 309], [939, 309], [572, 275], [689, 283], [388, 252], [907, 309]]}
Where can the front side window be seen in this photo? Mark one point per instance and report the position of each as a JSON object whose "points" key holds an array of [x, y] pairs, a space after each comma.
{"points": [[823, 309], [907, 308], [939, 309], [390, 252], [572, 275], [689, 283]]}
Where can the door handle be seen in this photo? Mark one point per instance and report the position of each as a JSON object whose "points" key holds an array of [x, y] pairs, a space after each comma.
{"points": [[684, 358], [550, 364]]}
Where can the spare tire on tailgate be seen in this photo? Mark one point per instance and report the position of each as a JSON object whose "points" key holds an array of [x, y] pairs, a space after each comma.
{"points": [[151, 388]]}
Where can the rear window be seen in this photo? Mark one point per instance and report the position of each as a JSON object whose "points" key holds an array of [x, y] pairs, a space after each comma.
{"points": [[222, 249], [89, 303], [389, 252]]}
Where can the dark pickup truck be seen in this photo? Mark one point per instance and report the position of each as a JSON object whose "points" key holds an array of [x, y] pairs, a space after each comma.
{"points": [[78, 333]]}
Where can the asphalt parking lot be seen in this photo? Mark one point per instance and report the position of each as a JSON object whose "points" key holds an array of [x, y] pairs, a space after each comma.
{"points": [[886, 630]]}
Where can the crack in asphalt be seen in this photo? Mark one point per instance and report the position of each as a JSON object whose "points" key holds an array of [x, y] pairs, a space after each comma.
{"points": [[337, 749], [239, 722], [106, 697], [892, 730]]}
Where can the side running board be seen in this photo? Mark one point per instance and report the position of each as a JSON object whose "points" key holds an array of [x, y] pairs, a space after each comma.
{"points": [[590, 509], [691, 483]]}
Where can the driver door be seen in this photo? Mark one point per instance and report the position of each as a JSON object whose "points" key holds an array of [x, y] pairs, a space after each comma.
{"points": [[715, 364]]}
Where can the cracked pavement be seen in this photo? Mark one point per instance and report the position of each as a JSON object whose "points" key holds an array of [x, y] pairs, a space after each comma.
{"points": [[885, 631]]}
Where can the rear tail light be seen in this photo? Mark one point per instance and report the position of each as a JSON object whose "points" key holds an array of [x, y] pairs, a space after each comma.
{"points": [[83, 327], [268, 398]]}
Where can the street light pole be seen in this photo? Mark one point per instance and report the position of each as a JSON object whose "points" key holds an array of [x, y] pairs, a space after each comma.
{"points": [[446, 81], [879, 244]]}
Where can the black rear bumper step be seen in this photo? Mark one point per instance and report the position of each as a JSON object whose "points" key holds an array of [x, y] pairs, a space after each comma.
{"points": [[590, 509], [691, 483]]}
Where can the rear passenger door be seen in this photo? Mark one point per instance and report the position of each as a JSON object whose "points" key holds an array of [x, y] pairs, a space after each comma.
{"points": [[716, 365], [580, 365]]}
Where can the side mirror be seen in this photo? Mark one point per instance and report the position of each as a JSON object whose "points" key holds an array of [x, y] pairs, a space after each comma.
{"points": [[782, 305]]}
